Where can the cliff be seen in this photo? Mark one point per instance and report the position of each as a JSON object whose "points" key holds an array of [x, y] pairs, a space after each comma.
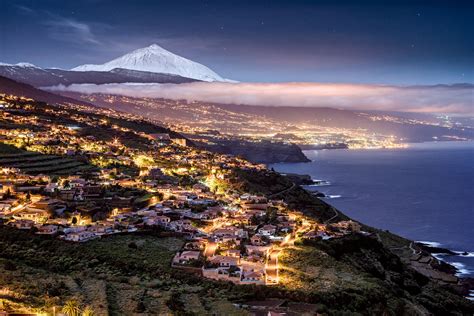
{"points": [[259, 152]]}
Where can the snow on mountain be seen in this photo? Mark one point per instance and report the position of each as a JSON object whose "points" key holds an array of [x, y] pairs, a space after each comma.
{"points": [[26, 65], [23, 65], [156, 59]]}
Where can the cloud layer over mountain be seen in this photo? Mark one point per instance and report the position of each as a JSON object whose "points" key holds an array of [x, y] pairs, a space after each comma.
{"points": [[438, 98]]}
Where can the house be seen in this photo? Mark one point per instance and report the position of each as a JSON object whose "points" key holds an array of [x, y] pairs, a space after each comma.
{"points": [[80, 236], [34, 214], [158, 220], [146, 212], [51, 187], [48, 204], [259, 251], [5, 207], [195, 245], [186, 256], [181, 225], [253, 276], [286, 227], [230, 232], [243, 219], [258, 240], [160, 137], [224, 261], [267, 230], [47, 230], [233, 253], [22, 224], [74, 229], [231, 273], [180, 141], [101, 229], [209, 214]]}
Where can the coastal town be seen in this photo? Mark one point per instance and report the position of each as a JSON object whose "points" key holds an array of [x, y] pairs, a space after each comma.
{"points": [[236, 158], [210, 122], [79, 189]]}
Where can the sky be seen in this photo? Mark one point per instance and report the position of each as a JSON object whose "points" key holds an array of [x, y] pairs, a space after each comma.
{"points": [[376, 42]]}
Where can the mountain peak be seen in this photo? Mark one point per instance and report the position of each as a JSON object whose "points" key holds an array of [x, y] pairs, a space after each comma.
{"points": [[155, 46], [155, 58]]}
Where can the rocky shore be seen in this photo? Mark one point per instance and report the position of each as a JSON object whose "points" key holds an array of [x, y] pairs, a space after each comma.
{"points": [[467, 284]]}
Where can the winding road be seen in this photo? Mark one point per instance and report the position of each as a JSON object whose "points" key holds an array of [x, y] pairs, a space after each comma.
{"points": [[283, 191]]}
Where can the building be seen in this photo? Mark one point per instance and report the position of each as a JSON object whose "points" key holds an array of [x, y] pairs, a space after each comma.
{"points": [[180, 141], [267, 230], [80, 236], [186, 256], [47, 230]]}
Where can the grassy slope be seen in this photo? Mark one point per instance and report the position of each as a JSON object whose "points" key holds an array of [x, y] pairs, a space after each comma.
{"points": [[108, 274], [358, 272], [34, 162]]}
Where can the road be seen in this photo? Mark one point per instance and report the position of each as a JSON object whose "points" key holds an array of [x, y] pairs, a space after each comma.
{"points": [[283, 191], [272, 266], [210, 249], [336, 214]]}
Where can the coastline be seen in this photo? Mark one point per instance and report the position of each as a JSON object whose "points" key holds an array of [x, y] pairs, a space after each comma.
{"points": [[448, 254], [440, 253]]}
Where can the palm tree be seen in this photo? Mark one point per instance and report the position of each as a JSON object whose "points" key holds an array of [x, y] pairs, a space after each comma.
{"points": [[88, 311], [71, 308]]}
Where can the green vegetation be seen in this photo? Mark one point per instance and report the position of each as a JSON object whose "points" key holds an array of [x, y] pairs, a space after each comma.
{"points": [[129, 274], [35, 162], [359, 273], [7, 150], [118, 275], [276, 186]]}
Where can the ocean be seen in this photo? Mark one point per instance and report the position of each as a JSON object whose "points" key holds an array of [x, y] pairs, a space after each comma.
{"points": [[424, 192]]}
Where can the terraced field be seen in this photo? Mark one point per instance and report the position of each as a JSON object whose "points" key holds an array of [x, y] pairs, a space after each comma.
{"points": [[36, 163]]}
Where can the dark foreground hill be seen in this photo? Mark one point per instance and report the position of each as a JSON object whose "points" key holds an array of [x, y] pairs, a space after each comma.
{"points": [[9, 86], [39, 77]]}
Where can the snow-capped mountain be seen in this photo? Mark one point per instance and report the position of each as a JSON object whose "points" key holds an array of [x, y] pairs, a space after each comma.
{"points": [[22, 65], [158, 60]]}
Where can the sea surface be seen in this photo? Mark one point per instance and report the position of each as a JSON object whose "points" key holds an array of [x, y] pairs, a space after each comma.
{"points": [[424, 192]]}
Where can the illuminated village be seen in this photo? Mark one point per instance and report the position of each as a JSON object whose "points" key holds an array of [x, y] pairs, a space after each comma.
{"points": [[231, 235], [198, 118], [236, 158]]}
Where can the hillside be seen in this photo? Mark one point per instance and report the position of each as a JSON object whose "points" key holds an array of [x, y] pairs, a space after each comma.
{"points": [[123, 266], [9, 86], [39, 77], [36, 163]]}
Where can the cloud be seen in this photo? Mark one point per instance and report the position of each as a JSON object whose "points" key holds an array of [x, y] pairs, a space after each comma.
{"points": [[70, 30], [430, 99], [25, 10]]}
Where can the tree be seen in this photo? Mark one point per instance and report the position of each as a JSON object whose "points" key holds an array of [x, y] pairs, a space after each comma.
{"points": [[88, 311], [7, 194], [74, 220], [71, 308]]}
